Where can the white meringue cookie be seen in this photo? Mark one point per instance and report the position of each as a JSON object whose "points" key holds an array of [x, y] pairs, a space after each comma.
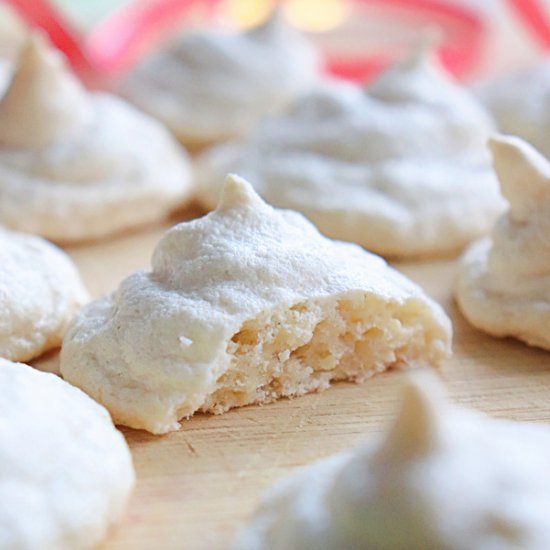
{"points": [[246, 305], [442, 478], [215, 85], [520, 103], [503, 286], [400, 168], [43, 104], [40, 291], [76, 165], [65, 471]]}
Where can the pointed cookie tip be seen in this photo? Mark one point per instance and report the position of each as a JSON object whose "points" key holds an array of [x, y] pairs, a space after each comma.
{"points": [[415, 430], [237, 192]]}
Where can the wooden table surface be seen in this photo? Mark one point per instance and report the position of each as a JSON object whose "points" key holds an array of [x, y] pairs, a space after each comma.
{"points": [[195, 487]]}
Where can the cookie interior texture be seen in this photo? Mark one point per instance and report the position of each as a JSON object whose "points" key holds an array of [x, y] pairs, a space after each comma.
{"points": [[293, 351]]}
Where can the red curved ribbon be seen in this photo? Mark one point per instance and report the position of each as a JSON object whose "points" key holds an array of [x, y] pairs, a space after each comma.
{"points": [[535, 17], [460, 52], [41, 14]]}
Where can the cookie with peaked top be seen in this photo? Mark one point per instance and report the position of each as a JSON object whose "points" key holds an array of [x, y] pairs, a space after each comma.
{"points": [[400, 167], [77, 165], [40, 291], [212, 85], [246, 305], [65, 472], [442, 477], [503, 285]]}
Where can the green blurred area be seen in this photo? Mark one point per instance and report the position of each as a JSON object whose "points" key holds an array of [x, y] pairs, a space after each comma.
{"points": [[88, 12]]}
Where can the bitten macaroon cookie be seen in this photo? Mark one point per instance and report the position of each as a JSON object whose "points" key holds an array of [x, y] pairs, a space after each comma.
{"points": [[246, 305]]}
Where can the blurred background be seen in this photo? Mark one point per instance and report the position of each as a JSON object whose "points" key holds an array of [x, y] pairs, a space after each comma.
{"points": [[480, 39]]}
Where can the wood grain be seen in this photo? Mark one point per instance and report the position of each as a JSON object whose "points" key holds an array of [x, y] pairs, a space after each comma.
{"points": [[197, 486]]}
